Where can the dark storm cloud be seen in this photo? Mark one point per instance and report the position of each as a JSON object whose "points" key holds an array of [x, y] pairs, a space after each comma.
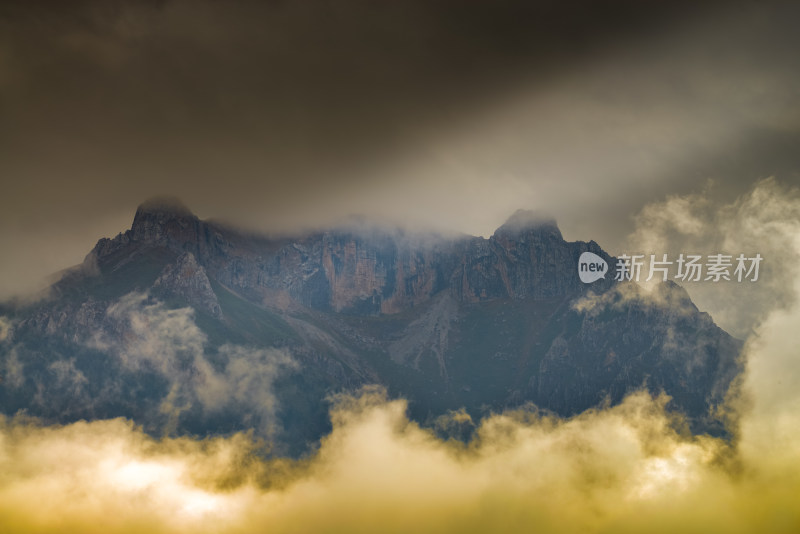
{"points": [[275, 114], [299, 86]]}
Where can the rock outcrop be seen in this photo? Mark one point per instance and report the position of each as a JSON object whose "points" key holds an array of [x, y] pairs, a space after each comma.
{"points": [[187, 279], [369, 271]]}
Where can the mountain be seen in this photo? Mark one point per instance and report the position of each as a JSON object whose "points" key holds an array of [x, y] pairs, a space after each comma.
{"points": [[190, 326]]}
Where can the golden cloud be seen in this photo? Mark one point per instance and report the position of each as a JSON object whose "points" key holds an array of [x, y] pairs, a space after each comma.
{"points": [[620, 469]]}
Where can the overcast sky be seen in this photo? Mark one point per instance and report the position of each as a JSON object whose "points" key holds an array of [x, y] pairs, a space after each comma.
{"points": [[287, 114]]}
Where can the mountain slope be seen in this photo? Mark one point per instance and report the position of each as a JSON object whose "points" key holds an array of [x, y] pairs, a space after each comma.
{"points": [[191, 326]]}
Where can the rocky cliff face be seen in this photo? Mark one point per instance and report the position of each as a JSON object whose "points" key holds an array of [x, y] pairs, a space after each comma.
{"points": [[444, 322], [368, 271], [186, 279]]}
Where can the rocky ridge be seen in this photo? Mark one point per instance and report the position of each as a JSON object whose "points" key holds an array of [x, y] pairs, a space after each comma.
{"points": [[472, 322]]}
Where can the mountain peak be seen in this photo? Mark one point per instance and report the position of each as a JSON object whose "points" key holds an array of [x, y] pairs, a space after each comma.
{"points": [[164, 221], [527, 220], [164, 205]]}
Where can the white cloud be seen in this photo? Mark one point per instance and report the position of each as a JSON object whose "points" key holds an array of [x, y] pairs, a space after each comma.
{"points": [[146, 335], [765, 220]]}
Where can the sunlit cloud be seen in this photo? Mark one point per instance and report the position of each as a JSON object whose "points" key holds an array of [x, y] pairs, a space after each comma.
{"points": [[764, 220], [615, 469]]}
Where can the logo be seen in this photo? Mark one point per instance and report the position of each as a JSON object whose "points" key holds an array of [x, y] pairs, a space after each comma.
{"points": [[591, 267], [690, 267]]}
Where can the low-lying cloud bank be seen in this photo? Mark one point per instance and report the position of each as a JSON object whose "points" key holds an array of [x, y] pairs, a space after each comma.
{"points": [[623, 469]]}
